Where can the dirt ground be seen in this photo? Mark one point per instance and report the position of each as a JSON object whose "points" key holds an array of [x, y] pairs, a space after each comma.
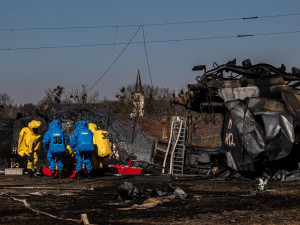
{"points": [[208, 201]]}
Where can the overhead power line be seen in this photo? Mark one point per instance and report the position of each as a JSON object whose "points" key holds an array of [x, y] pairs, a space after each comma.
{"points": [[150, 24], [114, 60], [147, 56], [151, 41]]}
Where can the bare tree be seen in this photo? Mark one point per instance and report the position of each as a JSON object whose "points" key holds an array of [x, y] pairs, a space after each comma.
{"points": [[124, 100], [53, 95], [78, 96], [6, 105], [81, 97], [5, 99]]}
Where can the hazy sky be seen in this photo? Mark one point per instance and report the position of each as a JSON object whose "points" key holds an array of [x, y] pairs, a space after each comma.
{"points": [[27, 73]]}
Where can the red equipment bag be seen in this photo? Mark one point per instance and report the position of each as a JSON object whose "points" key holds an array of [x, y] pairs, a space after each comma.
{"points": [[122, 169]]}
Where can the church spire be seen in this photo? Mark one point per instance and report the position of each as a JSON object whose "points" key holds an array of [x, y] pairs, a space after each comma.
{"points": [[138, 98], [138, 84]]}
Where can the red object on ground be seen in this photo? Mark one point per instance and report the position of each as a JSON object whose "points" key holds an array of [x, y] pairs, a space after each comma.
{"points": [[66, 173], [122, 169]]}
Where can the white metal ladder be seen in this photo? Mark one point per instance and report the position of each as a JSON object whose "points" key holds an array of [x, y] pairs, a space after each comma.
{"points": [[178, 151]]}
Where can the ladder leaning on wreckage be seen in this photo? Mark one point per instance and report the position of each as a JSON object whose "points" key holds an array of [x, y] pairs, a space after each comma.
{"points": [[177, 145]]}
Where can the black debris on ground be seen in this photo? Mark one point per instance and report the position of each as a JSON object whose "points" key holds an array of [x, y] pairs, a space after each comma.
{"points": [[209, 202]]}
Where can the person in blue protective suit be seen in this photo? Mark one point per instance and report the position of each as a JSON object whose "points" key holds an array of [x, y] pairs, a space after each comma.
{"points": [[55, 141], [82, 144]]}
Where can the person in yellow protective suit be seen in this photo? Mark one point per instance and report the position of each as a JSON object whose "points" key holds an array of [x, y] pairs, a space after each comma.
{"points": [[69, 159], [29, 145], [101, 151]]}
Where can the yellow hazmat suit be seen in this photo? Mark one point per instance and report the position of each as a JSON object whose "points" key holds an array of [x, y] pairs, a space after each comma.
{"points": [[69, 159], [29, 143], [101, 147]]}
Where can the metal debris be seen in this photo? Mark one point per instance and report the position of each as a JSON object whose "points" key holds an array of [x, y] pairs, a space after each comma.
{"points": [[261, 108]]}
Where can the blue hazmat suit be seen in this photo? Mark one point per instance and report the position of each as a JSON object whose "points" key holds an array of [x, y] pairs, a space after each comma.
{"points": [[55, 141], [82, 144]]}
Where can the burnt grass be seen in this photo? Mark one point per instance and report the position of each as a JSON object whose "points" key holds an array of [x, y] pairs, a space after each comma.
{"points": [[208, 202]]}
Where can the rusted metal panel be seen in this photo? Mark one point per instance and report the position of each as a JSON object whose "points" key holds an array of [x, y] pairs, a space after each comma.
{"points": [[154, 128], [157, 129], [205, 133]]}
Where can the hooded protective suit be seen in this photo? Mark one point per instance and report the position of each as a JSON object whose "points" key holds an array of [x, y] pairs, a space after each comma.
{"points": [[101, 147], [82, 144], [29, 143], [55, 141]]}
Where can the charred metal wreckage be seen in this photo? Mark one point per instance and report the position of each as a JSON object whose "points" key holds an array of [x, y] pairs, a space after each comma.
{"points": [[260, 105]]}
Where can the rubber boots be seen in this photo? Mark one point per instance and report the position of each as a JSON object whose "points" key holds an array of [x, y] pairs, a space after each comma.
{"points": [[60, 176], [34, 173], [77, 175], [90, 174], [30, 173], [53, 174]]}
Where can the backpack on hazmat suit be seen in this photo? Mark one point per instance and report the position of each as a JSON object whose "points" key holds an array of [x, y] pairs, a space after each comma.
{"points": [[101, 141]]}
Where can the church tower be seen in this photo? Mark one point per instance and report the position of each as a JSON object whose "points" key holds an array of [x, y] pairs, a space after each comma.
{"points": [[138, 98]]}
